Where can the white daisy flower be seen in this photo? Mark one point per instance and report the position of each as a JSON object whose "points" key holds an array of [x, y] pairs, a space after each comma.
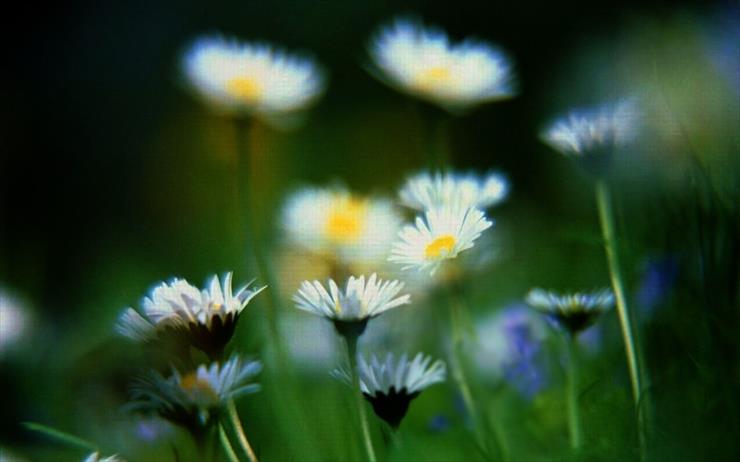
{"points": [[425, 191], [390, 385], [423, 62], [333, 222], [594, 131], [96, 457], [361, 299], [192, 399], [440, 235], [571, 312], [251, 77], [206, 318], [15, 321]]}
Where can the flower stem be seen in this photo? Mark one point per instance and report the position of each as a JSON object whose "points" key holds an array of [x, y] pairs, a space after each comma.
{"points": [[228, 450], [351, 342], [458, 374], [574, 416], [239, 430], [608, 229]]}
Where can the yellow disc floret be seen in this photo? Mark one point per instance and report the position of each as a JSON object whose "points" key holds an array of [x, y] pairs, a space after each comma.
{"points": [[346, 220], [439, 247], [245, 89]]}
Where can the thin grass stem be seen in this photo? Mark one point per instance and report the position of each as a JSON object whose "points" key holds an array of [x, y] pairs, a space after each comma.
{"points": [[574, 415], [351, 343], [241, 436], [226, 444]]}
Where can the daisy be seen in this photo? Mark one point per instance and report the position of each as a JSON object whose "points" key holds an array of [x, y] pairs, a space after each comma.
{"points": [[425, 191], [356, 230], [251, 77], [592, 134], [440, 235], [571, 312], [192, 400], [352, 308], [391, 385], [423, 62], [206, 319]]}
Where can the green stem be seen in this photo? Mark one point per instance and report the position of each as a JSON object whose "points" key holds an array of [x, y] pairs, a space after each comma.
{"points": [[228, 450], [574, 417], [351, 343], [629, 334], [241, 436], [458, 374]]}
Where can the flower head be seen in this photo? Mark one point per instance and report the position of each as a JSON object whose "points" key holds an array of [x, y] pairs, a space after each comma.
{"points": [[191, 400], [571, 312], [592, 134], [440, 235], [425, 191], [337, 223], [360, 301], [391, 385], [253, 78], [423, 62], [206, 319]]}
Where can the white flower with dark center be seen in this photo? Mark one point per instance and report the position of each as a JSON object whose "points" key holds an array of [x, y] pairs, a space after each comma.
{"points": [[95, 457], [440, 235], [206, 319], [592, 134], [361, 299], [192, 399], [571, 312], [336, 223], [425, 191], [390, 385], [423, 62], [253, 78]]}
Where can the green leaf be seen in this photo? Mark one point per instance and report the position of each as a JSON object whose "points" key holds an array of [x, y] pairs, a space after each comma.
{"points": [[60, 436]]}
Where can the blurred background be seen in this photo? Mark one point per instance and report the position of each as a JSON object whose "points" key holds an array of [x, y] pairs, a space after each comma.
{"points": [[114, 178]]}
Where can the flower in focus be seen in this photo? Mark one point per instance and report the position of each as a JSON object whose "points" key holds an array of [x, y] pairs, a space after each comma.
{"points": [[441, 235], [591, 135], [336, 223], [251, 78], [423, 62], [571, 312], [390, 386], [425, 191], [206, 319], [510, 348], [192, 400], [352, 308], [95, 457]]}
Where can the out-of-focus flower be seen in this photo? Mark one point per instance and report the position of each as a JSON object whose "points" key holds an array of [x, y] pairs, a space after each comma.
{"points": [[193, 399], [14, 320], [352, 308], [338, 224], [591, 135], [206, 319], [423, 62], [96, 457], [251, 78], [310, 343], [391, 385], [425, 191], [659, 276], [441, 235], [510, 348], [572, 313]]}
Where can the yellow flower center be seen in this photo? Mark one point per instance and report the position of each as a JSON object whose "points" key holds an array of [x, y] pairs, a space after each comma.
{"points": [[440, 247], [245, 89], [198, 388], [433, 77], [346, 220]]}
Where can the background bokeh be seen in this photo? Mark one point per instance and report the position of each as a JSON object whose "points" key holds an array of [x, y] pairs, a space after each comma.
{"points": [[114, 178]]}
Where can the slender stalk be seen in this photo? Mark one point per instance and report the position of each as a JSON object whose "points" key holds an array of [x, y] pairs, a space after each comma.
{"points": [[574, 416], [351, 343], [608, 229], [228, 450], [458, 374], [239, 430]]}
